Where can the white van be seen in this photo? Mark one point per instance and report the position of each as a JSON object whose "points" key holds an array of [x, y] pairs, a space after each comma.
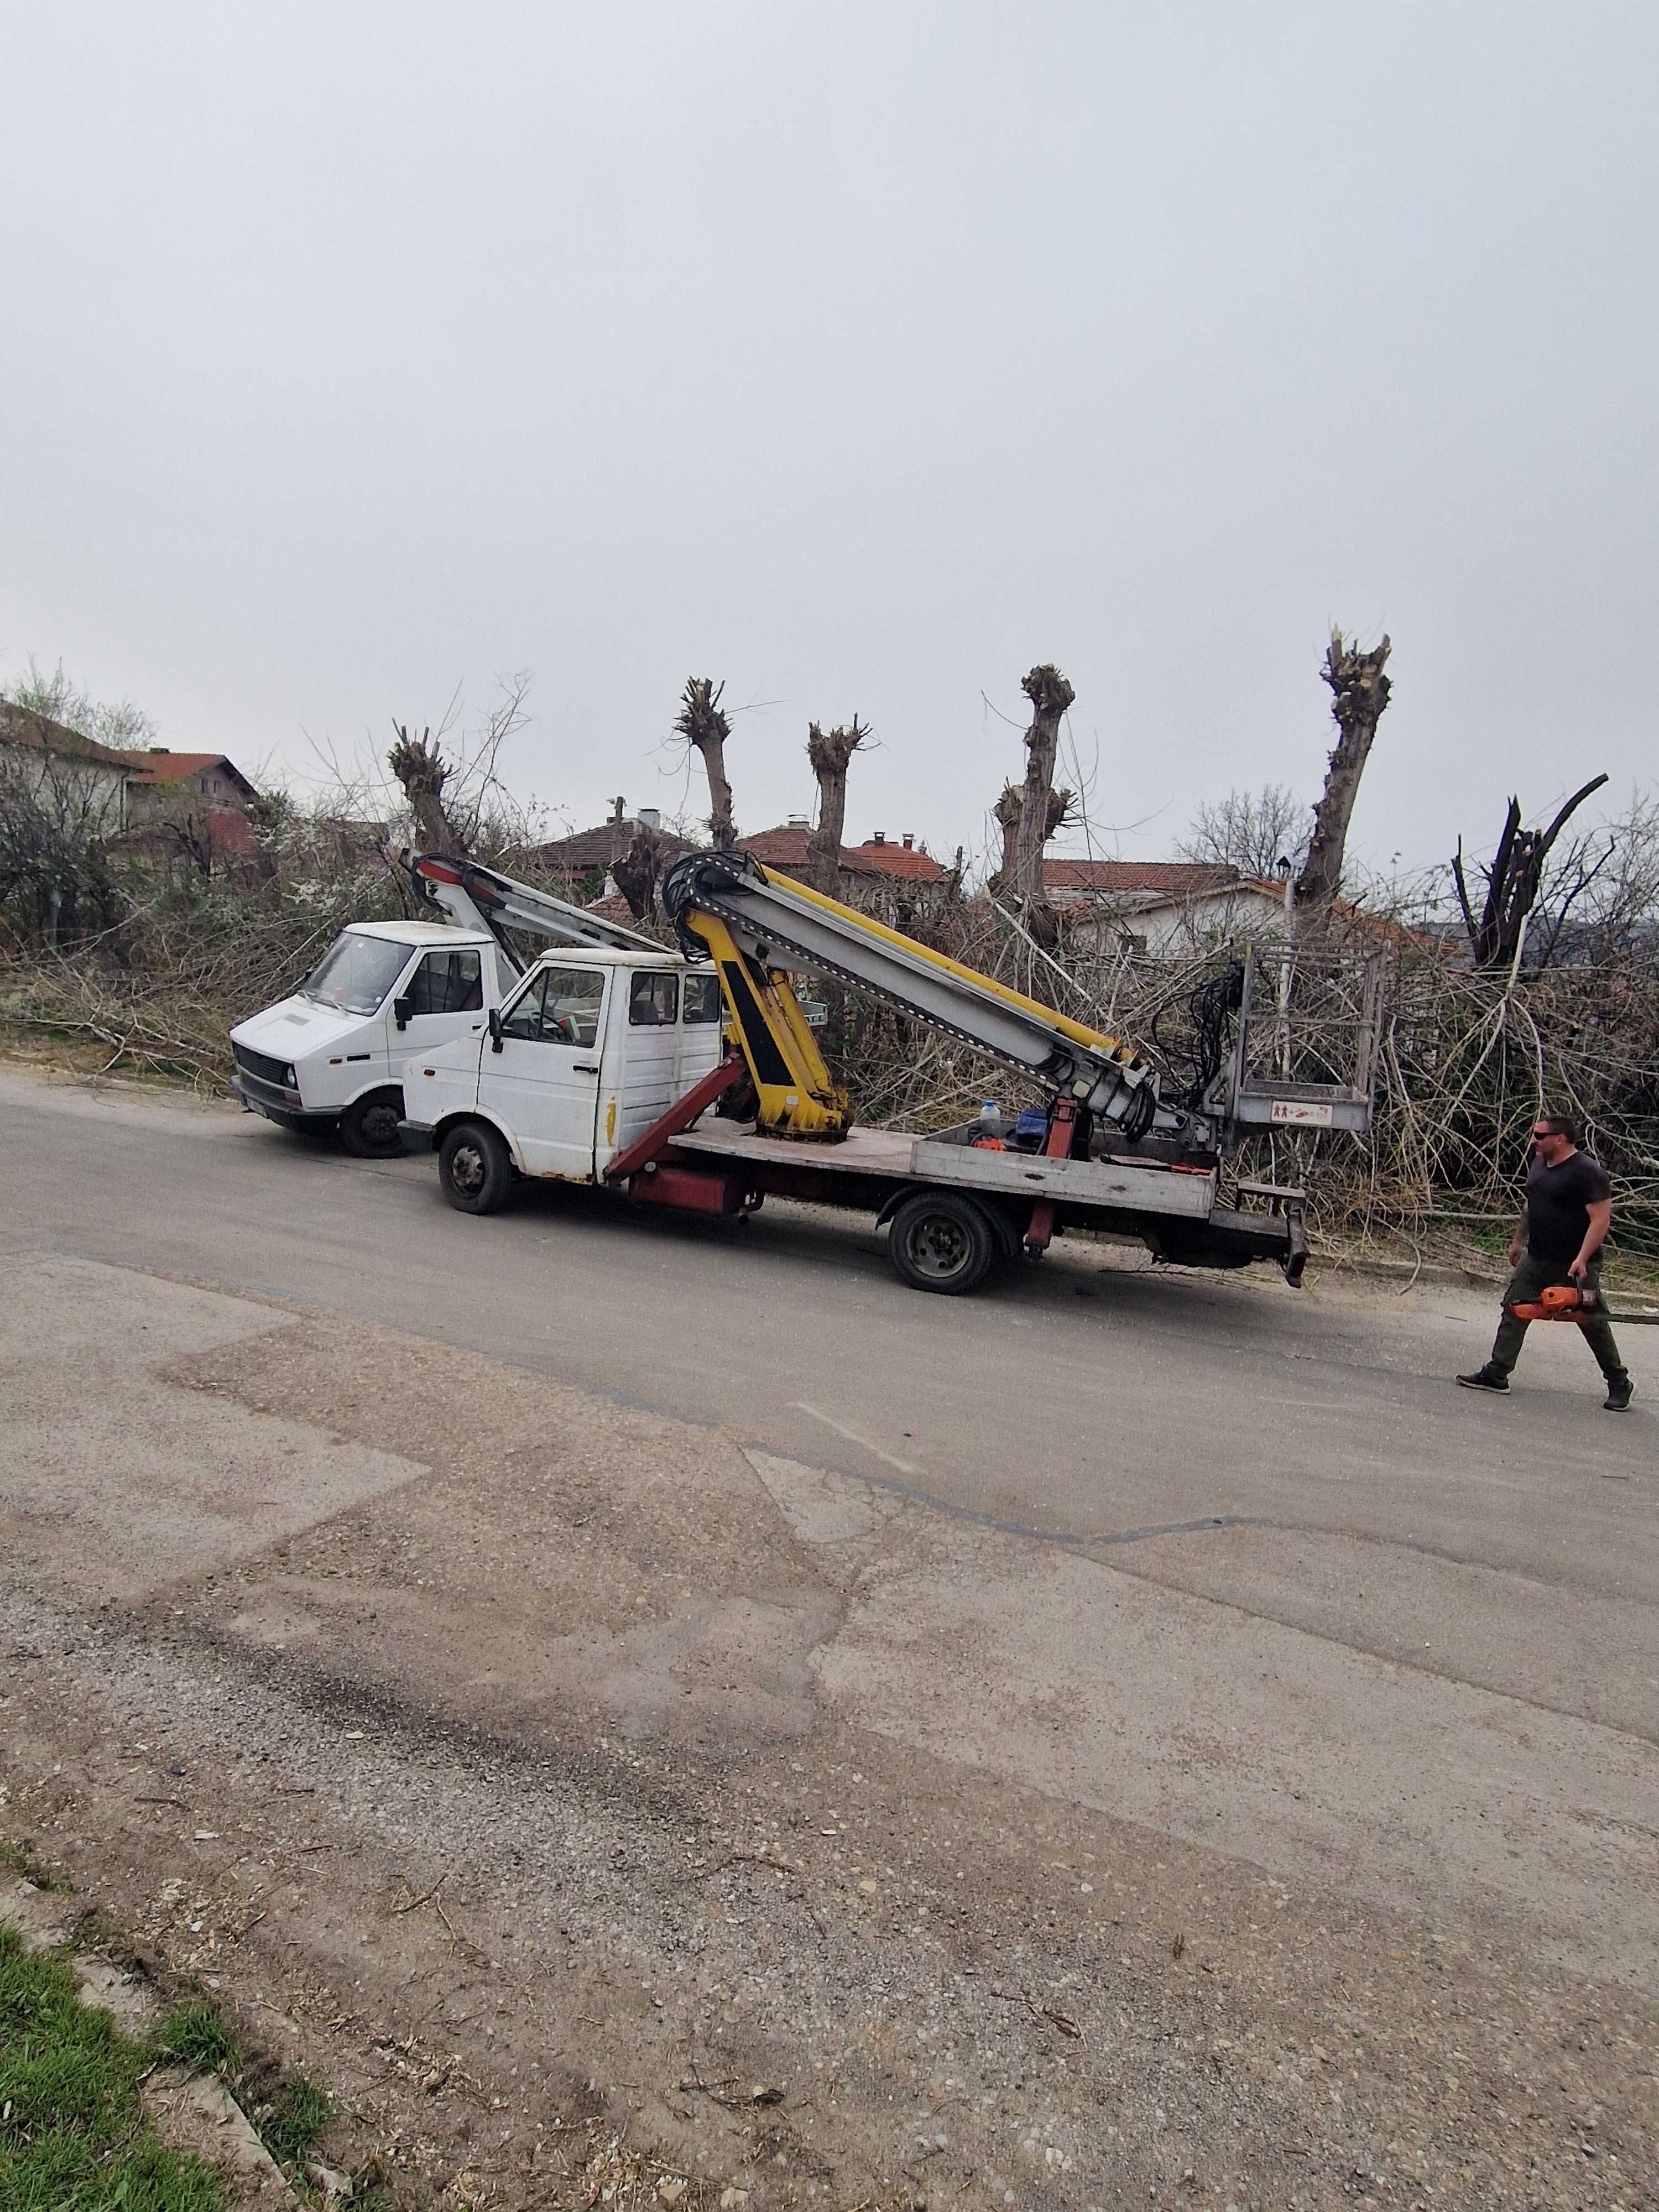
{"points": [[331, 1056], [589, 1054]]}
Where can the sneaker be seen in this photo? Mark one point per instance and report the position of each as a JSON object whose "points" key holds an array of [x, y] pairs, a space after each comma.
{"points": [[1618, 1398], [1484, 1378]]}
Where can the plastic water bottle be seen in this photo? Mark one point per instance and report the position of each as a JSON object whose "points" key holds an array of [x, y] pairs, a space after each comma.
{"points": [[990, 1118]]}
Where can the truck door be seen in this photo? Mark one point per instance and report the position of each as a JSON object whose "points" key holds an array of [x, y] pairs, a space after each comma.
{"points": [[442, 999], [543, 1083]]}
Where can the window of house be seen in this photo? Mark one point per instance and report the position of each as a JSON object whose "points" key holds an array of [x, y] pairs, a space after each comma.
{"points": [[653, 1000], [447, 983], [703, 998]]}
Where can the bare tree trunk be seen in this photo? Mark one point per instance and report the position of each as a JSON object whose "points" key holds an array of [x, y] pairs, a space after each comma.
{"points": [[1006, 815], [1042, 809], [1360, 692], [830, 753], [1513, 880], [637, 871], [420, 767], [701, 723]]}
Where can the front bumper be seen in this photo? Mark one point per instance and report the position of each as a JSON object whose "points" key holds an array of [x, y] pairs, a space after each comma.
{"points": [[277, 1105]]}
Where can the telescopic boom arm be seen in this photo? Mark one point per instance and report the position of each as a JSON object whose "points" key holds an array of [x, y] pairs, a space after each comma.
{"points": [[477, 897], [756, 925]]}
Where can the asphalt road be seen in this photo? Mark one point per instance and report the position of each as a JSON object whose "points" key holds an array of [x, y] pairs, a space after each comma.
{"points": [[1302, 1456]]}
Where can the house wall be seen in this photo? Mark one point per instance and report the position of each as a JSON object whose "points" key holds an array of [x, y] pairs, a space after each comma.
{"points": [[211, 788], [1174, 926], [74, 788]]}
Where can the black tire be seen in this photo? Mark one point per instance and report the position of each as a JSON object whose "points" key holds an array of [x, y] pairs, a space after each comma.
{"points": [[939, 1241], [474, 1168], [368, 1127]]}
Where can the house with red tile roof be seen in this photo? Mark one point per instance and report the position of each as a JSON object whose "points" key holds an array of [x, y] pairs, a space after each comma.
{"points": [[878, 859], [92, 780], [596, 852], [1163, 906], [202, 797]]}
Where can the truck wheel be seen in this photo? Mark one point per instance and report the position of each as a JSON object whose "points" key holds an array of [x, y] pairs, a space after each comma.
{"points": [[474, 1168], [939, 1241], [368, 1127]]}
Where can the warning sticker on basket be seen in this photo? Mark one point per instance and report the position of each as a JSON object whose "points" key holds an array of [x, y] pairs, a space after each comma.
{"points": [[1300, 1113]]}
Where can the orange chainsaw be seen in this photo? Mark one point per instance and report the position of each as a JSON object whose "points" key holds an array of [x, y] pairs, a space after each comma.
{"points": [[1568, 1302]]}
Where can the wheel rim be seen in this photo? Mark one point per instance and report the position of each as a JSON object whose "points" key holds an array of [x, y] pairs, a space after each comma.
{"points": [[380, 1124], [466, 1170], [939, 1247]]}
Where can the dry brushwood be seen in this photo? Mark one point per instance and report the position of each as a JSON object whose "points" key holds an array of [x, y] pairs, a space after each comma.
{"points": [[702, 722]]}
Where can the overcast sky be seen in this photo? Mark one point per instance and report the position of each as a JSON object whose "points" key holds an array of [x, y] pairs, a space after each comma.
{"points": [[861, 356]]}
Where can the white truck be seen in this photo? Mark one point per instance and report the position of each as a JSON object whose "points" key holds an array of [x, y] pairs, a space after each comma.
{"points": [[330, 1055], [590, 1054], [603, 1065]]}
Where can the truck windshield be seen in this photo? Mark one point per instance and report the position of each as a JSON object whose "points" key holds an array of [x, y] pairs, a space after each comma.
{"points": [[355, 973]]}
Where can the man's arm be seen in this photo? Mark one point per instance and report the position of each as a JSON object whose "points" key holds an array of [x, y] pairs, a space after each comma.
{"points": [[1518, 1241], [1600, 1221]]}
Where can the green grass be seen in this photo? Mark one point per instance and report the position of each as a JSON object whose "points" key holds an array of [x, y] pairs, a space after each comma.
{"points": [[73, 2136], [290, 2122], [195, 2037]]}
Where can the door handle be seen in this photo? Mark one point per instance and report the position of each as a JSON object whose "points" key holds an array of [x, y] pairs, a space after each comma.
{"points": [[584, 1067]]}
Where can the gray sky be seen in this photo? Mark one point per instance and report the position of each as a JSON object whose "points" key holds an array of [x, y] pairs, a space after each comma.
{"points": [[861, 355]]}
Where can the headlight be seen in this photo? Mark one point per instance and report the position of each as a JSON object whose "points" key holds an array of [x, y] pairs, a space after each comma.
{"points": [[290, 1078]]}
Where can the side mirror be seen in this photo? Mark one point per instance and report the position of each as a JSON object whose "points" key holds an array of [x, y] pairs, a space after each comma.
{"points": [[400, 1012], [494, 1029]]}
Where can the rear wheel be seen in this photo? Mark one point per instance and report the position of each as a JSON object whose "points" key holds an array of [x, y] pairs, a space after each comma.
{"points": [[474, 1168], [368, 1127], [939, 1241]]}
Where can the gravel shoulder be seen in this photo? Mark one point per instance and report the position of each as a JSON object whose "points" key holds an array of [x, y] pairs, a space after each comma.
{"points": [[543, 1771]]}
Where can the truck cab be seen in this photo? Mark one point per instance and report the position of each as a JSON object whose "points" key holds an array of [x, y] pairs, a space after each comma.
{"points": [[331, 1055], [589, 1051]]}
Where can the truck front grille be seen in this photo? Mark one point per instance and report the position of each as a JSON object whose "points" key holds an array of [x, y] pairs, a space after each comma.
{"points": [[262, 1065]]}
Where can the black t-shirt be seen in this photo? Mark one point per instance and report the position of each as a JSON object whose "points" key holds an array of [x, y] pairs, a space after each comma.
{"points": [[1558, 1200]]}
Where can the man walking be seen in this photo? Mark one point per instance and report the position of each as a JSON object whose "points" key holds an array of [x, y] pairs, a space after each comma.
{"points": [[1569, 1212]]}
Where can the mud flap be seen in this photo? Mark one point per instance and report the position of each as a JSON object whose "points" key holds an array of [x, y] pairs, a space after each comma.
{"points": [[1296, 1258]]}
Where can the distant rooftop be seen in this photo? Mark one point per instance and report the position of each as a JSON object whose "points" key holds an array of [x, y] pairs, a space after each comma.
{"points": [[785, 848], [1176, 878], [601, 847], [22, 726]]}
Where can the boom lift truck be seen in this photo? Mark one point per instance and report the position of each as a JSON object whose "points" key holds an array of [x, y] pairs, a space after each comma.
{"points": [[604, 1066], [328, 1056]]}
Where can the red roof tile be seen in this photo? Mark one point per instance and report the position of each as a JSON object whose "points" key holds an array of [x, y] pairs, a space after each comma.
{"points": [[598, 849], [1180, 879], [785, 848], [160, 766]]}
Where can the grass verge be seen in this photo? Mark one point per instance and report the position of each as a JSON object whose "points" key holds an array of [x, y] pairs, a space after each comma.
{"points": [[73, 2134]]}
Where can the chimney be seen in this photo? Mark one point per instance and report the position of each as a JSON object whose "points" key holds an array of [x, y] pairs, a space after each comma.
{"points": [[799, 821], [909, 839], [619, 808], [650, 817], [880, 837]]}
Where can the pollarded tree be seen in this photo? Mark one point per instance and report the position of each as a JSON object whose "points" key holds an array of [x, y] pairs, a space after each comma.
{"points": [[1359, 693], [702, 722], [829, 752]]}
